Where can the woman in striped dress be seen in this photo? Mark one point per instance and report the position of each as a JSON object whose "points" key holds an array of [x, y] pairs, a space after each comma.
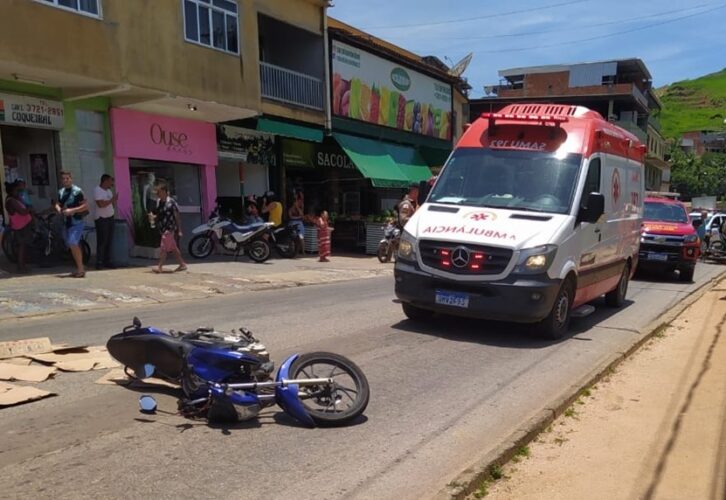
{"points": [[323, 236]]}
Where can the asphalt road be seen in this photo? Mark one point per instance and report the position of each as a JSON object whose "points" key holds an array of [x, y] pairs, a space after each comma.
{"points": [[441, 394]]}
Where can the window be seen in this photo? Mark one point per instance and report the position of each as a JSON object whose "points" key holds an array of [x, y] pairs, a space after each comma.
{"points": [[592, 182], [212, 23], [513, 179], [86, 7]]}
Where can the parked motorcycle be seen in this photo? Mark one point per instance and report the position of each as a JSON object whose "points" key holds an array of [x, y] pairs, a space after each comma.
{"points": [[388, 246], [233, 237], [227, 377], [47, 246], [285, 239], [714, 247]]}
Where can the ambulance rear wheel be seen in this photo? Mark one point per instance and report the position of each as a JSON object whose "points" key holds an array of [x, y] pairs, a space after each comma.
{"points": [[616, 298], [556, 324]]}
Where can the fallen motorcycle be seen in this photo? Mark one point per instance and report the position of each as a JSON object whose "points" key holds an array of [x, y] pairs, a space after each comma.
{"points": [[227, 377]]}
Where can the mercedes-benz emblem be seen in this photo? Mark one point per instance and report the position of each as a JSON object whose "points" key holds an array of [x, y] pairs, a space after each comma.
{"points": [[460, 257]]}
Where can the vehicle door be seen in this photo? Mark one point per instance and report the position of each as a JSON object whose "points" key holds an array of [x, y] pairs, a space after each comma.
{"points": [[590, 233]]}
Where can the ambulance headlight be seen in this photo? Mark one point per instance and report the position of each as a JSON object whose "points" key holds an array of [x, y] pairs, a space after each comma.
{"points": [[407, 247], [535, 260]]}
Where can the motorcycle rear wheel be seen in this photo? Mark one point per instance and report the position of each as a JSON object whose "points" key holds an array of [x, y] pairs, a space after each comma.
{"points": [[384, 252], [259, 251], [201, 246], [288, 250], [325, 404]]}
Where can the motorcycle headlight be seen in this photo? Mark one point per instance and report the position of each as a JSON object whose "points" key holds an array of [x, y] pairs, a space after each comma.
{"points": [[535, 260], [407, 247], [691, 238]]}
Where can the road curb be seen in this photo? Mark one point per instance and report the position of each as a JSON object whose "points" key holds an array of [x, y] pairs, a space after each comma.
{"points": [[469, 480]]}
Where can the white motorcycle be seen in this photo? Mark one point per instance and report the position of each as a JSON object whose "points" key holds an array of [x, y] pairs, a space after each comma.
{"points": [[233, 237]]}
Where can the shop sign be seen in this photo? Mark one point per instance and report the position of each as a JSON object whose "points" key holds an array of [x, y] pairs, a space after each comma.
{"points": [[250, 145], [33, 112], [141, 135], [372, 89], [301, 154]]}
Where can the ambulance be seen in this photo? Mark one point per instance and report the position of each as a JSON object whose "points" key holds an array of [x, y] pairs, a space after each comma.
{"points": [[536, 213]]}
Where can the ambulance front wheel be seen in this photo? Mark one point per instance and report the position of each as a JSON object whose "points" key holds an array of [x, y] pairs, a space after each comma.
{"points": [[556, 324]]}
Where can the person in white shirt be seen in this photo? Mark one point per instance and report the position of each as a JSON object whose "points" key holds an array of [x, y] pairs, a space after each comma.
{"points": [[105, 201]]}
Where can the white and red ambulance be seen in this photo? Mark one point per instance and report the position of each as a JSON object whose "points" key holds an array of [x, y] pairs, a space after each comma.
{"points": [[536, 213]]}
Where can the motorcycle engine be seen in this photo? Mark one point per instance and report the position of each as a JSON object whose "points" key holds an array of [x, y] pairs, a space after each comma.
{"points": [[230, 244]]}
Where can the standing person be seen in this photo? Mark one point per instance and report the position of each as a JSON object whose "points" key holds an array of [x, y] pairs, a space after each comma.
{"points": [[321, 222], [24, 194], [296, 214], [408, 205], [272, 208], [73, 206], [105, 201], [168, 220], [20, 223]]}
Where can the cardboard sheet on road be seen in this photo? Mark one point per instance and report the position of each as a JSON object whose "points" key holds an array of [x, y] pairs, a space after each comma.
{"points": [[11, 372], [77, 359], [11, 394], [16, 348]]}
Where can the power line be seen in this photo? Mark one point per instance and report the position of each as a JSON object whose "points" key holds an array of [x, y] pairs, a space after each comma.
{"points": [[477, 18], [599, 37], [628, 20]]}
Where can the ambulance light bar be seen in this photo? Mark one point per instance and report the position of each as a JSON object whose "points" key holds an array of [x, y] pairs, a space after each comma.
{"points": [[546, 120]]}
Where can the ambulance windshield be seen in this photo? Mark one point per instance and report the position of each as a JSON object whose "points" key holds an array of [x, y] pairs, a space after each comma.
{"points": [[517, 180]]}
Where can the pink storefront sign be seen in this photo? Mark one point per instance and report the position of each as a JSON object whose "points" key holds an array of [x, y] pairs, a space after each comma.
{"points": [[153, 137]]}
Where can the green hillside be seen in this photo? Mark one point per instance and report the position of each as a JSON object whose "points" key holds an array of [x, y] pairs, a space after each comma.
{"points": [[698, 104]]}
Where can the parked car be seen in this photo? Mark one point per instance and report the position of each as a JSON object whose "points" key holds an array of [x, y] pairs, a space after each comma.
{"points": [[536, 212], [668, 240]]}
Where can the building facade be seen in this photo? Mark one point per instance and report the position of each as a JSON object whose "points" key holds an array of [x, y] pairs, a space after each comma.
{"points": [[135, 89], [620, 90]]}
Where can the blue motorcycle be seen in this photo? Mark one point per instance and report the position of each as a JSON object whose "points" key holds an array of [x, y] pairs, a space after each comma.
{"points": [[227, 377]]}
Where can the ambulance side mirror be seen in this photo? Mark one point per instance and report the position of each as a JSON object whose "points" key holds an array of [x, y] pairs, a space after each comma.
{"points": [[593, 210]]}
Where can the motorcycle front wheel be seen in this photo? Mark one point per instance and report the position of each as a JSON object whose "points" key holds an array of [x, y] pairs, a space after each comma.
{"points": [[338, 403], [201, 246], [259, 251], [384, 254]]}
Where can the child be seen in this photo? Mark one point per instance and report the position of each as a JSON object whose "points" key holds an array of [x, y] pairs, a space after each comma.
{"points": [[321, 222]]}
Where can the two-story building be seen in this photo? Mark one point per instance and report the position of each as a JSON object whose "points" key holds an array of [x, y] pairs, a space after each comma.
{"points": [[620, 90], [135, 88]]}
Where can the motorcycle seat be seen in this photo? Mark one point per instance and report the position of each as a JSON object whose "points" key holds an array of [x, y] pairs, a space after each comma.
{"points": [[166, 353], [247, 228]]}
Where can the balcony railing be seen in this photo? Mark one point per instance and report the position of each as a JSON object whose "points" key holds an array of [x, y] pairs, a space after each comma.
{"points": [[291, 87], [633, 129]]}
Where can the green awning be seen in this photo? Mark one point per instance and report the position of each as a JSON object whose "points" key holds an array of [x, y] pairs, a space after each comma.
{"points": [[409, 161], [373, 161], [289, 130]]}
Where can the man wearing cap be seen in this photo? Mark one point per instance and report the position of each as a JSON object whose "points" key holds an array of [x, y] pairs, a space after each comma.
{"points": [[408, 205], [272, 208]]}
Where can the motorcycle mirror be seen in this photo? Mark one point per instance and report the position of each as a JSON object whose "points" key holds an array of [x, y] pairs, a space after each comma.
{"points": [[145, 371], [147, 404], [137, 322]]}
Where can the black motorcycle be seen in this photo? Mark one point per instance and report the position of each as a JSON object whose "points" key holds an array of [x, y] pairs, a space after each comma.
{"points": [[285, 239]]}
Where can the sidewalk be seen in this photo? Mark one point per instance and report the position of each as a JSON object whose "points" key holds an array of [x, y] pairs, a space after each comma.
{"points": [[654, 429], [49, 291]]}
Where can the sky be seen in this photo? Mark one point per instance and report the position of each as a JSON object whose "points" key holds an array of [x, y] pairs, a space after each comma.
{"points": [[677, 39]]}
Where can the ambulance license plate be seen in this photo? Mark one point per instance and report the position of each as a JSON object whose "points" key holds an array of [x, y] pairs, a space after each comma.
{"points": [[658, 256], [452, 299]]}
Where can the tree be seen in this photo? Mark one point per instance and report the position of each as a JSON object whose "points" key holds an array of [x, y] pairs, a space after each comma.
{"points": [[693, 176]]}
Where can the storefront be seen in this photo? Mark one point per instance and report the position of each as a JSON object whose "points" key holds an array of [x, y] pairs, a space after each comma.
{"points": [[149, 149], [29, 145], [246, 158]]}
